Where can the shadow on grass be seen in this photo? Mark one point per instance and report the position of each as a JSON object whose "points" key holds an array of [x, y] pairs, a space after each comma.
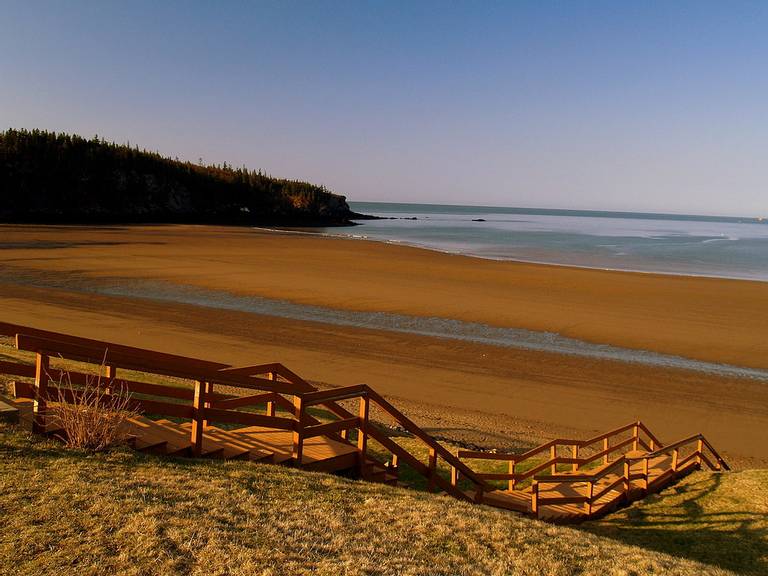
{"points": [[692, 521]]}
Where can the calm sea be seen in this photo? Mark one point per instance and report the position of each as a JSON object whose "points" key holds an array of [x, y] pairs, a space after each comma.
{"points": [[667, 243]]}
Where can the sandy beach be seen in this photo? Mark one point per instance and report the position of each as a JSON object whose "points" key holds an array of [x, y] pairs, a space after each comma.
{"points": [[476, 393]]}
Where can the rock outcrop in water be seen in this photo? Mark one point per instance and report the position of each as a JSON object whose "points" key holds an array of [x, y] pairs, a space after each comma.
{"points": [[59, 178]]}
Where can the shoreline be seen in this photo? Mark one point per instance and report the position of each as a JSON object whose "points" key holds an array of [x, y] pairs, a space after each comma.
{"points": [[712, 320], [513, 260]]}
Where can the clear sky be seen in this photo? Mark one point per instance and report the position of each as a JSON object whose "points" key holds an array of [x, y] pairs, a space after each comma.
{"points": [[655, 106]]}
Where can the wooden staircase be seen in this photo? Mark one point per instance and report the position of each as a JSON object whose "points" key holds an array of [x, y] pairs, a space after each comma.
{"points": [[266, 413], [594, 476]]}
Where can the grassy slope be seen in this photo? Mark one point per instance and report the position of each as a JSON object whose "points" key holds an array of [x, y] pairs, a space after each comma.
{"points": [[720, 519], [129, 513], [716, 519]]}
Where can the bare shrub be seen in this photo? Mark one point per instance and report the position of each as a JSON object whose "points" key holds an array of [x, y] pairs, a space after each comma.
{"points": [[93, 415]]}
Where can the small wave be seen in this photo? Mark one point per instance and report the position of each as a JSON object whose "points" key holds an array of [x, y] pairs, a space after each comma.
{"points": [[721, 239]]}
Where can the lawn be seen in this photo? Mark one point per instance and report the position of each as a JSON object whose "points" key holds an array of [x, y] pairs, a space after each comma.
{"points": [[66, 511]]}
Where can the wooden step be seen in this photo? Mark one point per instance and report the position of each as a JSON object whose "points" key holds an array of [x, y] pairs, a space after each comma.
{"points": [[233, 445], [282, 458], [390, 480], [155, 438], [179, 435], [150, 446], [517, 501], [8, 412]]}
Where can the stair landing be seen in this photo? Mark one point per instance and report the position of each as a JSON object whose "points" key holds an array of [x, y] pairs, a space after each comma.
{"points": [[252, 443]]}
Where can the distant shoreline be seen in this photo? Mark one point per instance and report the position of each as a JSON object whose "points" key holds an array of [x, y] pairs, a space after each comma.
{"points": [[300, 230], [681, 245]]}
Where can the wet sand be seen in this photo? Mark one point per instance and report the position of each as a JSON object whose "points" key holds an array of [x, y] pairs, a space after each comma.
{"points": [[702, 318], [486, 395]]}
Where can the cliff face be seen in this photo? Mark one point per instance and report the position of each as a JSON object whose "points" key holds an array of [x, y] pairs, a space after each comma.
{"points": [[49, 177]]}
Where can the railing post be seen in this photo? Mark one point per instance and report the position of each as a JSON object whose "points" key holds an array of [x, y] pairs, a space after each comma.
{"points": [[110, 373], [636, 437], [395, 460], [553, 455], [454, 476], [699, 451], [432, 468], [575, 454], [590, 494], [198, 417], [298, 431], [42, 363], [511, 484], [675, 455], [645, 474], [627, 482], [362, 437], [270, 411], [535, 498], [651, 441], [606, 446], [207, 403]]}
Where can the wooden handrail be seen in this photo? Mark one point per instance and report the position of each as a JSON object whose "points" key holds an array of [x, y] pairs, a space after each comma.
{"points": [[609, 434], [684, 442], [517, 458], [578, 459], [333, 394], [330, 427], [572, 478], [363, 392], [675, 445], [240, 401], [715, 453], [656, 442], [14, 330], [14, 369], [440, 450]]}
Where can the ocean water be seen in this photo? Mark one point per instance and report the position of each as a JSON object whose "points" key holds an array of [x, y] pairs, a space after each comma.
{"points": [[665, 243]]}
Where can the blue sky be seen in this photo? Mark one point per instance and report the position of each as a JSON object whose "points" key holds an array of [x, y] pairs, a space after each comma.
{"points": [[603, 105]]}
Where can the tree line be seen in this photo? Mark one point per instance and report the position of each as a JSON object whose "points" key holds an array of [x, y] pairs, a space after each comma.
{"points": [[48, 176]]}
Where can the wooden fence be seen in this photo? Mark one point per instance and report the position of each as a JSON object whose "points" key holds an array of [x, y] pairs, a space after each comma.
{"points": [[285, 395]]}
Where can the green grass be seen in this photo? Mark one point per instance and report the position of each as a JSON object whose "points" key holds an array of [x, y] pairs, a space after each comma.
{"points": [[67, 511]]}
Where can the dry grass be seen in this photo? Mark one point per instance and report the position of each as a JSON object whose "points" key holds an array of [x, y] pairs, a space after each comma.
{"points": [[721, 519], [122, 512], [69, 511], [93, 415]]}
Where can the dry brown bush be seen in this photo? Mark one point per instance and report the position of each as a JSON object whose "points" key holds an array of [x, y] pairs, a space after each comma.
{"points": [[93, 415]]}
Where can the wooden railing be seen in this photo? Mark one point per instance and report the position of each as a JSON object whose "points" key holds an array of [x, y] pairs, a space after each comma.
{"points": [[287, 399], [285, 395], [366, 398], [621, 476], [581, 453], [620, 468], [703, 453], [200, 404]]}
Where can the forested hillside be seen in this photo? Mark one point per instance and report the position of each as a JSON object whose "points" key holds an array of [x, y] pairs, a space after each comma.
{"points": [[62, 178]]}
